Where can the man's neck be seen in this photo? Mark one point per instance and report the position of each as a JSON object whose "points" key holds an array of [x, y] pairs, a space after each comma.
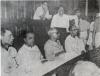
{"points": [[73, 36], [53, 39], [30, 45], [60, 15], [5, 46]]}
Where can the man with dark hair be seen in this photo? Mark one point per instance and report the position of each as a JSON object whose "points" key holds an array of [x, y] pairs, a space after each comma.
{"points": [[73, 44], [28, 55], [8, 53], [42, 12]]}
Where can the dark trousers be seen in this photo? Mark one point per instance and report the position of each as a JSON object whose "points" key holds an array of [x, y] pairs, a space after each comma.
{"points": [[63, 35]]}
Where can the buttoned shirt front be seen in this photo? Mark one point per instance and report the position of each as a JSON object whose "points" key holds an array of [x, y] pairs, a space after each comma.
{"points": [[60, 21], [74, 45], [26, 59], [28, 55]]}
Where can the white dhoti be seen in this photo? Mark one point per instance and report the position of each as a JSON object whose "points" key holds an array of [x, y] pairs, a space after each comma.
{"points": [[83, 36], [97, 39]]}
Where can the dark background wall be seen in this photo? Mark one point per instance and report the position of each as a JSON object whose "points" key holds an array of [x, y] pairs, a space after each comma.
{"points": [[20, 9]]}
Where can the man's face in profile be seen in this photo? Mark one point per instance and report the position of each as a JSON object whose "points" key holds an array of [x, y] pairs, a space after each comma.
{"points": [[7, 38]]}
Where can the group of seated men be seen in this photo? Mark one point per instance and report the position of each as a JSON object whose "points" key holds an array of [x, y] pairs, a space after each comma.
{"points": [[21, 63], [29, 54]]}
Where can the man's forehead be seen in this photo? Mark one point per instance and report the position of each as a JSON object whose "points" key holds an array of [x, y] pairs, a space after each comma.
{"points": [[7, 32], [61, 8], [30, 35]]}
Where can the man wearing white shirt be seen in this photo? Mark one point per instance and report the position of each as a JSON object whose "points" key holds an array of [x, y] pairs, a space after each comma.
{"points": [[90, 39], [8, 53], [61, 22], [73, 43], [84, 29], [96, 32], [42, 12], [28, 56]]}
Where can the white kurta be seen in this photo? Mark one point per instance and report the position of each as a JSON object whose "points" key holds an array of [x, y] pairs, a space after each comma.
{"points": [[27, 58], [39, 12], [8, 63], [60, 21], [75, 45]]}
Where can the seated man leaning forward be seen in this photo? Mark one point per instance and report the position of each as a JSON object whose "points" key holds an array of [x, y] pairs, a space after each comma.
{"points": [[72, 43], [53, 47], [28, 55]]}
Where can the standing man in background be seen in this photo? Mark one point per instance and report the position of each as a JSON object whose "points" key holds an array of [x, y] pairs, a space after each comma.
{"points": [[61, 22], [84, 29], [96, 34], [42, 12], [75, 16], [73, 44]]}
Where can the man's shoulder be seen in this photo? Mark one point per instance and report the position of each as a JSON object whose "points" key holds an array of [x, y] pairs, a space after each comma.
{"points": [[55, 15], [12, 51], [39, 7], [22, 49], [65, 15], [48, 42], [35, 47], [68, 37]]}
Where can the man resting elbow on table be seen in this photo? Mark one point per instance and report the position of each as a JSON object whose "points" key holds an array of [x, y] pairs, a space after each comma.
{"points": [[53, 47], [73, 44]]}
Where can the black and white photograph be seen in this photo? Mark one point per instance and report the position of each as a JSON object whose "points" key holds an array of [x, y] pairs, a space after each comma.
{"points": [[50, 37]]}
